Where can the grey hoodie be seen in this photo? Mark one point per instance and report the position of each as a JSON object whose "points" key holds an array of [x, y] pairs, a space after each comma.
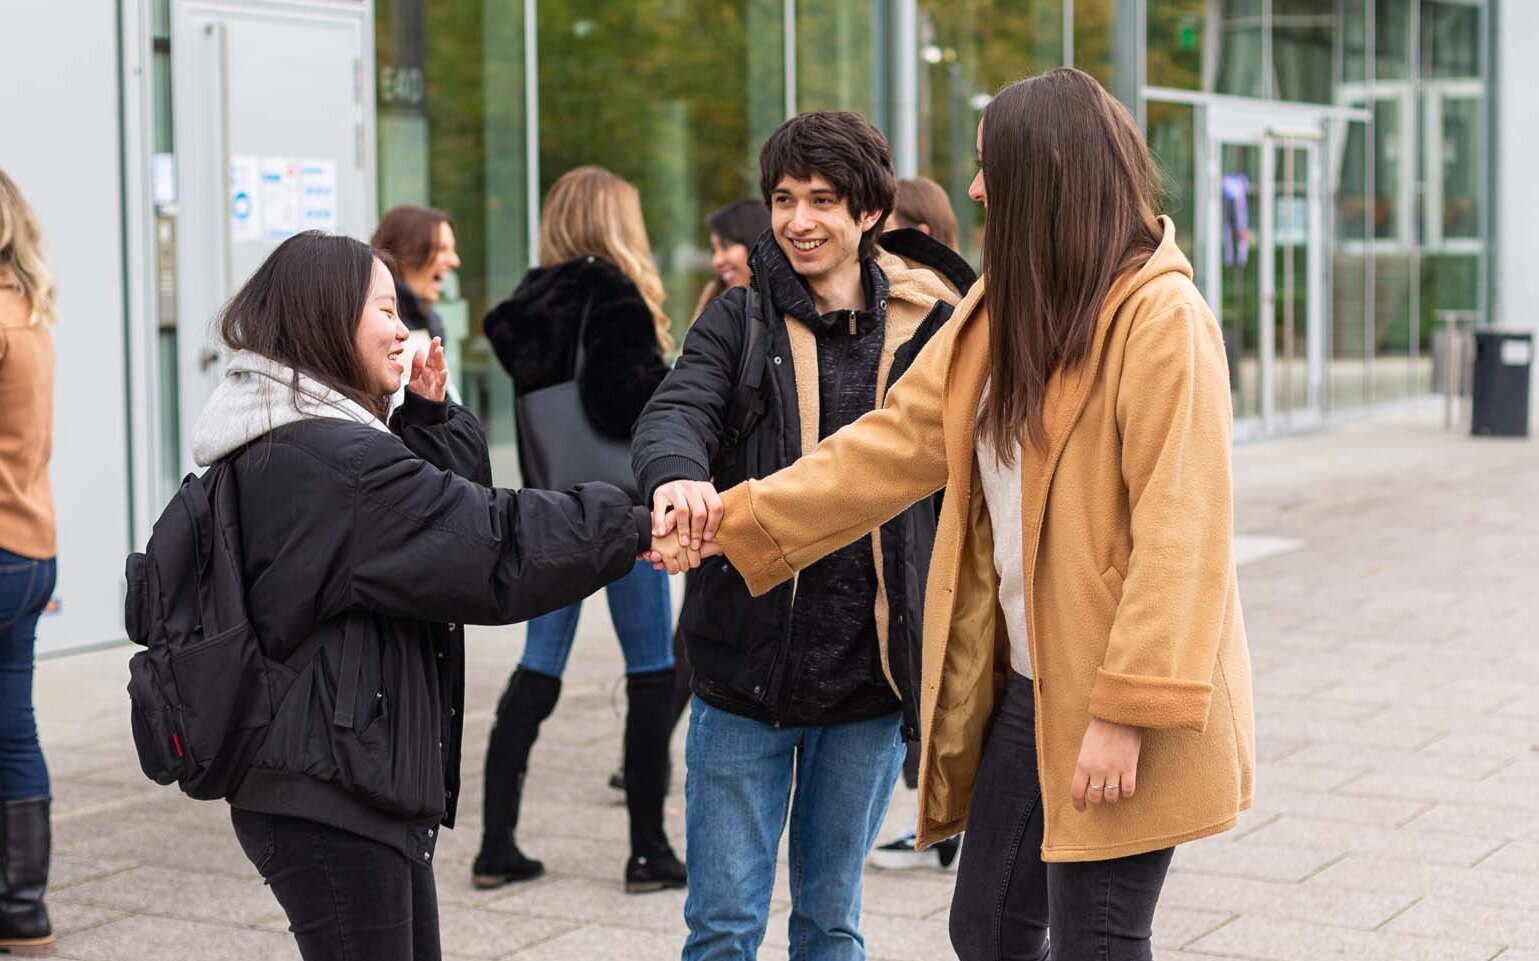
{"points": [[257, 396]]}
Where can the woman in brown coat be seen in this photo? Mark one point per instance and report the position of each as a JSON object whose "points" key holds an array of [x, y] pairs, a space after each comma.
{"points": [[1086, 698]]}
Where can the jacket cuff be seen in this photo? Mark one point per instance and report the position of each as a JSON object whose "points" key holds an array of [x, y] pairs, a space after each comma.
{"points": [[669, 467], [1156, 702], [748, 546], [418, 411], [643, 519]]}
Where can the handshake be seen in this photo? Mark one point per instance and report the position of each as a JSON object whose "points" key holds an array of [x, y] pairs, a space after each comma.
{"points": [[685, 516]]}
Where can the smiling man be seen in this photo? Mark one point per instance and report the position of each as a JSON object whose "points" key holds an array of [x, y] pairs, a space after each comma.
{"points": [[800, 695]]}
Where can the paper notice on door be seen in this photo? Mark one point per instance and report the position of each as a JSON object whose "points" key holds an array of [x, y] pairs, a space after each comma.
{"points": [[318, 195], [280, 198], [245, 223]]}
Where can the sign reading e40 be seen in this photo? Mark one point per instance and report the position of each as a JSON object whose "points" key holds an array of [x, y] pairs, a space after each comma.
{"points": [[406, 86]]}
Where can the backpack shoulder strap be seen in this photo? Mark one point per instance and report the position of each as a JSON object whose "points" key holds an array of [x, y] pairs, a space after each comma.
{"points": [[748, 401]]}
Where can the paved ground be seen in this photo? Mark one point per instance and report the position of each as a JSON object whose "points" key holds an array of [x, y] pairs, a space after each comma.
{"points": [[1391, 588]]}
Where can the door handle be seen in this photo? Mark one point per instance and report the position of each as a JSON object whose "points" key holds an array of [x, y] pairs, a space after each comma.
{"points": [[208, 357]]}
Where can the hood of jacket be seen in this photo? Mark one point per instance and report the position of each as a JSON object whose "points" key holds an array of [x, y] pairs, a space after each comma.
{"points": [[775, 278], [258, 395], [916, 249]]}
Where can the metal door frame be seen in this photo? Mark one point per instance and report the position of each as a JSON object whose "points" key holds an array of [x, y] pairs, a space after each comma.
{"points": [[1267, 129]]}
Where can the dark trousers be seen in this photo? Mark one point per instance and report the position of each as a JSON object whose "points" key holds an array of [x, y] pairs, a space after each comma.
{"points": [[1007, 900], [346, 897]]}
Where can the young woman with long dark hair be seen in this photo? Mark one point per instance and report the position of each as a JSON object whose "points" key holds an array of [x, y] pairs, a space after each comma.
{"points": [[365, 544], [596, 282], [1086, 698]]}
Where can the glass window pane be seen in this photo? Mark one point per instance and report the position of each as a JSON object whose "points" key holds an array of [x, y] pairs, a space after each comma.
{"points": [[1177, 51], [1450, 39], [1392, 39], [1304, 36], [1172, 139], [837, 50], [1239, 307], [968, 49], [1391, 154], [1094, 25], [1236, 51], [681, 127], [1347, 380], [1460, 164]]}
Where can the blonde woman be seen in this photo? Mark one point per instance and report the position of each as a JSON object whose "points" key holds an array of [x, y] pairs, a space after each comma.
{"points": [[596, 279], [27, 566]]}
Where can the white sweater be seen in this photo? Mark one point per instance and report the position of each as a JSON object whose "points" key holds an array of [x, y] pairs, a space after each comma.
{"points": [[1002, 493]]}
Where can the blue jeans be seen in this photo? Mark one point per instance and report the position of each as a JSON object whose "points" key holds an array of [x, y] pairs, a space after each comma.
{"points": [[743, 776], [25, 587], [642, 612]]}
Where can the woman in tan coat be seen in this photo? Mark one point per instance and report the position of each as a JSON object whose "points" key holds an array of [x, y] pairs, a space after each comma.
{"points": [[1086, 696]]}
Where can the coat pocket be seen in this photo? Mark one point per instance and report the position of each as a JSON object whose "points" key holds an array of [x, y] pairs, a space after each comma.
{"points": [[223, 685], [1112, 578]]}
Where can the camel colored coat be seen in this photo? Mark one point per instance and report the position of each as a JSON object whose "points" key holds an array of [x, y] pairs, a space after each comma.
{"points": [[1132, 602]]}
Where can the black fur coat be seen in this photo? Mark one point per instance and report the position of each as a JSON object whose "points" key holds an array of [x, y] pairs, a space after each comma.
{"points": [[534, 333]]}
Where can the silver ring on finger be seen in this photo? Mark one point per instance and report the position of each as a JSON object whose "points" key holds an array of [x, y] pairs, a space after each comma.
{"points": [[1098, 787]]}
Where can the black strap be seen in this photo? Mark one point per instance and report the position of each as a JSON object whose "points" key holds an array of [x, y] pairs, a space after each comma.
{"points": [[347, 673], [748, 402]]}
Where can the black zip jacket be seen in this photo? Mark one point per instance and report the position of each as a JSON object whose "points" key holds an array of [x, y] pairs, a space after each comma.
{"points": [[805, 653], [364, 552]]}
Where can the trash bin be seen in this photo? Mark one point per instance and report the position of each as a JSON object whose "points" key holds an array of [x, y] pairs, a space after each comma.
{"points": [[1499, 401]]}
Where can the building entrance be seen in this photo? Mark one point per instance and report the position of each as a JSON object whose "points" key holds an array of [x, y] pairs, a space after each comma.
{"points": [[1265, 263]]}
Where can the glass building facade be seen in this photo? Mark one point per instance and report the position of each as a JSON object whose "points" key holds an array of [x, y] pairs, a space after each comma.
{"points": [[1325, 160]]}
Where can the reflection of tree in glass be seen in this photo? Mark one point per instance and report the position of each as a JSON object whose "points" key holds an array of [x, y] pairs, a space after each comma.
{"points": [[655, 90], [968, 50]]}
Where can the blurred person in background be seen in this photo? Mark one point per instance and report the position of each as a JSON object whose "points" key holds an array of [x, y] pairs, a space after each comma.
{"points": [[734, 228], [27, 566], [596, 278], [923, 205], [421, 240]]}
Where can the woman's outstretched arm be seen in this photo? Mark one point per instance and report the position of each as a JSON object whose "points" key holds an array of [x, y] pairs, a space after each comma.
{"points": [[853, 482]]}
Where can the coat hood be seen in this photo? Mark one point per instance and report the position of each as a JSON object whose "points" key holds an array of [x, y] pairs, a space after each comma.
{"points": [[258, 395]]}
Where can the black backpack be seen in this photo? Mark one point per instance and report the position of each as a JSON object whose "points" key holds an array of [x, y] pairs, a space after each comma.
{"points": [[202, 692]]}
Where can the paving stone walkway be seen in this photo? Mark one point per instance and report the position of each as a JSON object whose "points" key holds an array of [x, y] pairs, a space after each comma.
{"points": [[1391, 589]]}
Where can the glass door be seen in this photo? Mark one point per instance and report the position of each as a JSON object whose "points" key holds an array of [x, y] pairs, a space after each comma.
{"points": [[1265, 267]]}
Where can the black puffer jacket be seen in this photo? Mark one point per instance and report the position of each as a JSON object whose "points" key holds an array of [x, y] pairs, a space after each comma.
{"points": [[534, 333], [363, 552], [806, 653]]}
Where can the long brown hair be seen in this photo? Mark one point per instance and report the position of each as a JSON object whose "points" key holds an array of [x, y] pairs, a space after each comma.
{"points": [[590, 211], [1072, 200], [301, 309]]}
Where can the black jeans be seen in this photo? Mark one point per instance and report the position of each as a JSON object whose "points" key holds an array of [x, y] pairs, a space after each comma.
{"points": [[1007, 899], [348, 898]]}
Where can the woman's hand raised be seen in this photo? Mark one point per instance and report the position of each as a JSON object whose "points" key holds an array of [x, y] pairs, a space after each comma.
{"points": [[430, 372]]}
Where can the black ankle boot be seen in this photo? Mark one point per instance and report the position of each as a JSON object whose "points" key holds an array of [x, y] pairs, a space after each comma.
{"points": [[643, 874], [648, 720], [528, 701], [24, 848]]}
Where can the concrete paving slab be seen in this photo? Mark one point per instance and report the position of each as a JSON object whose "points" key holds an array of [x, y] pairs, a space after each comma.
{"points": [[1397, 707]]}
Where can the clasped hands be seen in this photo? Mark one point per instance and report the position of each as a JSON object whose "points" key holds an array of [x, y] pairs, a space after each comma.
{"points": [[685, 516]]}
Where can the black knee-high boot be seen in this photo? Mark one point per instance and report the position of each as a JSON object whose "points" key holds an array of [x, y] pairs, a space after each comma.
{"points": [[25, 840], [528, 700], [648, 721]]}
